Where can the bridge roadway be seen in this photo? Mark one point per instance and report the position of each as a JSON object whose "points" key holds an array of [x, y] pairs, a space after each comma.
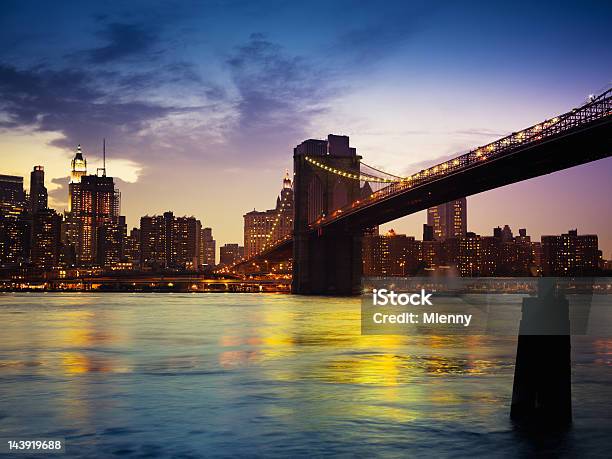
{"points": [[570, 148]]}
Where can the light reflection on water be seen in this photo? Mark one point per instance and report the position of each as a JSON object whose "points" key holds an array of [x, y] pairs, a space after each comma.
{"points": [[159, 375]]}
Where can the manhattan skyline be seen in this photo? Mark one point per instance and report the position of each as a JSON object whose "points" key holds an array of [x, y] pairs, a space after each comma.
{"points": [[198, 115]]}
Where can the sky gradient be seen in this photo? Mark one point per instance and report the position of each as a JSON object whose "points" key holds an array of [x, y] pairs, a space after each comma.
{"points": [[201, 103]]}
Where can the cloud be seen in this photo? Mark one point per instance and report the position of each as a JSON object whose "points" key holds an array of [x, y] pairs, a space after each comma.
{"points": [[278, 94], [58, 192], [70, 102], [124, 40]]}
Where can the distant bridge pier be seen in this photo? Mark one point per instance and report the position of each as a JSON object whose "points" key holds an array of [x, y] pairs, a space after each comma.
{"points": [[325, 262]]}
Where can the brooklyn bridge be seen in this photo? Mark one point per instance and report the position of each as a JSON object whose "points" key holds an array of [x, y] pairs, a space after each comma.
{"points": [[338, 196]]}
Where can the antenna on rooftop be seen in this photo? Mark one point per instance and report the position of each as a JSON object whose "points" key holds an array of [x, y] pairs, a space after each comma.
{"points": [[101, 171]]}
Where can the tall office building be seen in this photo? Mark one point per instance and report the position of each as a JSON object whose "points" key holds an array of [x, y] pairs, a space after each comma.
{"points": [[187, 242], [153, 231], [97, 216], [172, 242], [261, 228], [38, 191], [111, 242], [45, 242], [93, 224], [46, 239], [132, 247], [208, 249], [78, 168], [14, 224], [230, 253], [448, 220]]}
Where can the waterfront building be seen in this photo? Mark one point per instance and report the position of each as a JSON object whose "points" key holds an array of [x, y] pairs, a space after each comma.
{"points": [[570, 254], [111, 242], [46, 248], [170, 242], [132, 247], [490, 255], [14, 222], [187, 243], [230, 254], [153, 246], [469, 255], [390, 254]]}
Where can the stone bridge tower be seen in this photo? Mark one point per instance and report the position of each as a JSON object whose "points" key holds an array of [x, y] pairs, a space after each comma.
{"points": [[325, 262]]}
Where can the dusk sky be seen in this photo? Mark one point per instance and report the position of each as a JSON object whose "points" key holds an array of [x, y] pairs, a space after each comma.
{"points": [[201, 103]]}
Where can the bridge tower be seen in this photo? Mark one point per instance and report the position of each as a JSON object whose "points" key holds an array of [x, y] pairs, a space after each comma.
{"points": [[325, 262]]}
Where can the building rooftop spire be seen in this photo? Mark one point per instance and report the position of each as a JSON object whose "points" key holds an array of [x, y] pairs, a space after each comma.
{"points": [[78, 166], [287, 179]]}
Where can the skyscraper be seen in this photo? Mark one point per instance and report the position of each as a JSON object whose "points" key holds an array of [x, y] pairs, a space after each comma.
{"points": [[187, 241], [152, 241], [132, 247], [97, 216], [262, 228], [449, 219], [46, 239], [45, 242], [78, 168], [110, 240], [207, 249], [14, 225], [38, 191], [93, 225], [167, 241]]}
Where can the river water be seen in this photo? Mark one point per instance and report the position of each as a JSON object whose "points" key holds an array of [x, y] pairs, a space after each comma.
{"points": [[261, 375]]}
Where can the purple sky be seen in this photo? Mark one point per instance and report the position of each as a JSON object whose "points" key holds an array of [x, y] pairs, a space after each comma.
{"points": [[201, 103]]}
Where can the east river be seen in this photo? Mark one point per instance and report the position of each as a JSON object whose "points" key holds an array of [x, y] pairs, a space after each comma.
{"points": [[264, 375]]}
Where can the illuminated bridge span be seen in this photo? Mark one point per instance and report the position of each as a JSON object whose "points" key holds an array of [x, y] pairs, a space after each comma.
{"points": [[337, 196]]}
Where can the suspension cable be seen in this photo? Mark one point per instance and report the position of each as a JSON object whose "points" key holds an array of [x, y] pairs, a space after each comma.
{"points": [[361, 177]]}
